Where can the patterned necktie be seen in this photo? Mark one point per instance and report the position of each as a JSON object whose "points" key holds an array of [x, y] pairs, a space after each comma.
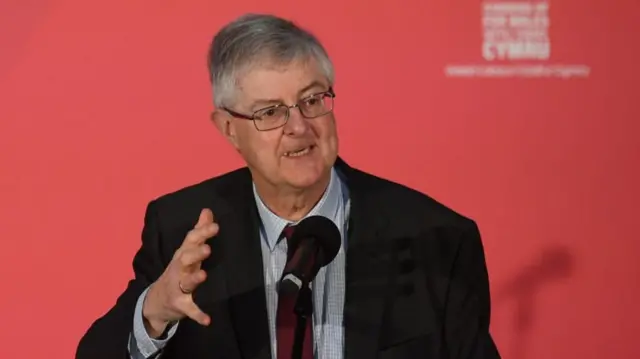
{"points": [[286, 321]]}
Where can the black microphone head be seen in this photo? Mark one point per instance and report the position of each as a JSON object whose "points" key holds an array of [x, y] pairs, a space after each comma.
{"points": [[315, 242], [323, 231]]}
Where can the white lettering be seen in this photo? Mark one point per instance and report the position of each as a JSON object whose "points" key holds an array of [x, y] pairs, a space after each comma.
{"points": [[497, 35], [494, 51], [533, 35], [494, 21], [523, 50], [509, 7], [527, 50], [524, 21], [516, 31], [542, 6], [488, 51]]}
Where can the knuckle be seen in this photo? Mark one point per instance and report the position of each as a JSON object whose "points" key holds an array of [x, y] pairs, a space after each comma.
{"points": [[184, 260], [191, 235], [194, 279], [202, 275], [185, 257]]}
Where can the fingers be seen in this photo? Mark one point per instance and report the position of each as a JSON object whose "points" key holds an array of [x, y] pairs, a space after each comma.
{"points": [[191, 255], [203, 230], [206, 217], [183, 275], [195, 252], [192, 311], [190, 281]]}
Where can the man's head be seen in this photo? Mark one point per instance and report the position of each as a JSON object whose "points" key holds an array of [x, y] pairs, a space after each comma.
{"points": [[260, 66]]}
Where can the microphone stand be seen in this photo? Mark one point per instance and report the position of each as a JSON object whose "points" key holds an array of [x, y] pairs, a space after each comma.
{"points": [[303, 309]]}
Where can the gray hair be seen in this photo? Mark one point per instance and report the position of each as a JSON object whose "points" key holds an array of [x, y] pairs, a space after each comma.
{"points": [[257, 37]]}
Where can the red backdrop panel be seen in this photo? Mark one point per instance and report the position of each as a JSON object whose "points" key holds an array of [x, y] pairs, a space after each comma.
{"points": [[105, 106]]}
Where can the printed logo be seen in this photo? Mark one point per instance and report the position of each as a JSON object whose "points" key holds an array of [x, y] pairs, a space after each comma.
{"points": [[516, 43]]}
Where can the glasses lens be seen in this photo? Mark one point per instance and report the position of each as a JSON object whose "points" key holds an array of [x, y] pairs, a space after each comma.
{"points": [[270, 117], [317, 105]]}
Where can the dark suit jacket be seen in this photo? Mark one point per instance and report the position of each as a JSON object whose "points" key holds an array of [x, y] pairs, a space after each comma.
{"points": [[417, 283]]}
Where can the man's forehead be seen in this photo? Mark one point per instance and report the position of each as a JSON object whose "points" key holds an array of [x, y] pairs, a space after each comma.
{"points": [[270, 82]]}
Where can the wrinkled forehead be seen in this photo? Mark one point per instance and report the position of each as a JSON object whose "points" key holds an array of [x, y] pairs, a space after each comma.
{"points": [[268, 82]]}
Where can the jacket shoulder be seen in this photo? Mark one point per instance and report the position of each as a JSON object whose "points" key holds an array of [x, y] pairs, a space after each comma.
{"points": [[402, 201], [184, 205]]}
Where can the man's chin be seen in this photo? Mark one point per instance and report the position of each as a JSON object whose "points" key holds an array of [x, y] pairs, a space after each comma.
{"points": [[304, 182], [304, 178]]}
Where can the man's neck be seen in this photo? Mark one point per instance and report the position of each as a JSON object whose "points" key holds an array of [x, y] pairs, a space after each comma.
{"points": [[291, 204]]}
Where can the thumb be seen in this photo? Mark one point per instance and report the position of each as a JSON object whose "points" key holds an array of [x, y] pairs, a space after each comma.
{"points": [[206, 217]]}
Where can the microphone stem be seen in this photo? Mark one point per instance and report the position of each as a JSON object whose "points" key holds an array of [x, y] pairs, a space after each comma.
{"points": [[304, 310]]}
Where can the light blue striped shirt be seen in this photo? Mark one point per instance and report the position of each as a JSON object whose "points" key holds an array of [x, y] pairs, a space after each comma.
{"points": [[329, 286]]}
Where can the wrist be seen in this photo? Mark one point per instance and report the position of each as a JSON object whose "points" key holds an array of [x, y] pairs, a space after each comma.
{"points": [[155, 328], [153, 323]]}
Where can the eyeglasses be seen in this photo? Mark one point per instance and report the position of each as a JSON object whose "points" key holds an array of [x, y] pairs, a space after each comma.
{"points": [[273, 117]]}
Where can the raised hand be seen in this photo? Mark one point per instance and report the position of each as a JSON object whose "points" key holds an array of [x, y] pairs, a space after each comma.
{"points": [[170, 297]]}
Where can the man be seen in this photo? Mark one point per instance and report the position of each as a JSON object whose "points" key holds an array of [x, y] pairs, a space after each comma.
{"points": [[409, 280]]}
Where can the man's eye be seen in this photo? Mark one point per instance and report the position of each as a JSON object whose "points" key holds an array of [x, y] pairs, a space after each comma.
{"points": [[313, 101], [269, 112]]}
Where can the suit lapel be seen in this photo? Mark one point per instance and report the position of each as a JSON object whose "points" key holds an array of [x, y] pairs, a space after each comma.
{"points": [[244, 272], [367, 267]]}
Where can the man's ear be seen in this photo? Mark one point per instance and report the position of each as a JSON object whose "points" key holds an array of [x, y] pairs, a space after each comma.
{"points": [[225, 124]]}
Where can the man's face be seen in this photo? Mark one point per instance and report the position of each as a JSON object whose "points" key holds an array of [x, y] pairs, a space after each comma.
{"points": [[274, 155]]}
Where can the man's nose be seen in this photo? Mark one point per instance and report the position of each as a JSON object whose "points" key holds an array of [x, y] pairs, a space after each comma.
{"points": [[297, 124]]}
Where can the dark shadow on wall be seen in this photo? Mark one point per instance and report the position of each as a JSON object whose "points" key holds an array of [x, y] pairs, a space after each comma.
{"points": [[523, 290]]}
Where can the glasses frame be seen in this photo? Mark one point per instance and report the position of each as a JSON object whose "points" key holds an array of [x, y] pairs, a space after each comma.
{"points": [[329, 93]]}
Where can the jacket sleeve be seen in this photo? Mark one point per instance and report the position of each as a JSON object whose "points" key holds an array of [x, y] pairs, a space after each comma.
{"points": [[468, 303], [108, 336]]}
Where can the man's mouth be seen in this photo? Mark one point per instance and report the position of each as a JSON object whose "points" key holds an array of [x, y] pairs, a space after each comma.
{"points": [[301, 152]]}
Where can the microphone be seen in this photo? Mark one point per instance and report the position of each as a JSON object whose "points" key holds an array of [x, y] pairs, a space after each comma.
{"points": [[314, 244]]}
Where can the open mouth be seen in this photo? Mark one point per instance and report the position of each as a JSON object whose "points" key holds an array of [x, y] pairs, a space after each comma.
{"points": [[300, 152]]}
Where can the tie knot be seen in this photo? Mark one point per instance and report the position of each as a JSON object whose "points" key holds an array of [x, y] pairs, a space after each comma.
{"points": [[287, 232]]}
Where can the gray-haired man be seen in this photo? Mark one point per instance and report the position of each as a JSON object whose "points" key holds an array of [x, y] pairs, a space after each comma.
{"points": [[409, 280]]}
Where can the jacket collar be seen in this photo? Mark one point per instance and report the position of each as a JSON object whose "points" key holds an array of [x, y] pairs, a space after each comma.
{"points": [[243, 269]]}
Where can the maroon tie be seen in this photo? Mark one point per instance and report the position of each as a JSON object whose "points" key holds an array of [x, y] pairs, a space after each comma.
{"points": [[286, 322]]}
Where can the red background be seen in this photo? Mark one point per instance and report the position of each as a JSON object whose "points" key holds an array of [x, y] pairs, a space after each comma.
{"points": [[104, 106]]}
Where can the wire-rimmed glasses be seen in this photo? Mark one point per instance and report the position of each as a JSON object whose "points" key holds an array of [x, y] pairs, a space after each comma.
{"points": [[272, 117]]}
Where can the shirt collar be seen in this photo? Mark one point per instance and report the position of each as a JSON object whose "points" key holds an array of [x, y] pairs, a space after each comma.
{"points": [[328, 206]]}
